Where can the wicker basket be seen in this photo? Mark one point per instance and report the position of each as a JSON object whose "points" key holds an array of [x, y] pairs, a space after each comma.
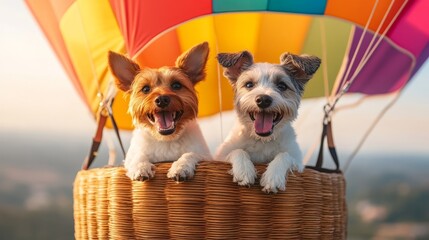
{"points": [[107, 205]]}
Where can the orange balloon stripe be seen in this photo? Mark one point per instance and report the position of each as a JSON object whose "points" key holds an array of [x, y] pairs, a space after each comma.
{"points": [[359, 11], [48, 18], [60, 7], [162, 52], [281, 33]]}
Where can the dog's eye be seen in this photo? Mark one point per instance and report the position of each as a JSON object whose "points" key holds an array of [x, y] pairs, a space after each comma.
{"points": [[249, 85], [282, 86], [146, 89], [176, 86]]}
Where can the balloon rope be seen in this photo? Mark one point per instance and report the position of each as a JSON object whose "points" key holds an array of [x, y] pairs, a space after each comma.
{"points": [[358, 46], [358, 69], [370, 45], [324, 58], [219, 82], [369, 130], [368, 53], [346, 84], [351, 105]]}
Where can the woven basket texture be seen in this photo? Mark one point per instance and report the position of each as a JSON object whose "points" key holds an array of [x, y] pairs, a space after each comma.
{"points": [[108, 205]]}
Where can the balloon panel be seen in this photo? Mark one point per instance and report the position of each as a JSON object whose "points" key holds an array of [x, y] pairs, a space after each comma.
{"points": [[411, 31], [48, 14], [387, 70], [82, 32], [359, 12], [162, 52], [89, 30], [302, 6], [239, 5], [328, 38], [141, 21], [290, 6]]}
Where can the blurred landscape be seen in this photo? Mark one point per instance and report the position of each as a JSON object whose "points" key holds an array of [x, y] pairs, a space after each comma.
{"points": [[387, 194]]}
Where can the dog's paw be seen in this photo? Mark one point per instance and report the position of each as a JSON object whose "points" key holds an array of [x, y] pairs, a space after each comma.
{"points": [[181, 171], [272, 182], [141, 171], [184, 168], [243, 172], [299, 166], [244, 177]]}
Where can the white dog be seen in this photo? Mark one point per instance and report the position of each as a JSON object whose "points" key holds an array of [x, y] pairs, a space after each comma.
{"points": [[267, 97], [164, 107]]}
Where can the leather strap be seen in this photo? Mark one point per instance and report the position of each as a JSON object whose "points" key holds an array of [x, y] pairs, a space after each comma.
{"points": [[327, 133], [105, 112], [96, 140]]}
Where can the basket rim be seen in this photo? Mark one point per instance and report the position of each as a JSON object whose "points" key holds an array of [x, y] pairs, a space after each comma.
{"points": [[314, 168]]}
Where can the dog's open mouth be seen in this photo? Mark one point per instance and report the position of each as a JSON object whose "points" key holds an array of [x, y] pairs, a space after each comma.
{"points": [[264, 122], [165, 121]]}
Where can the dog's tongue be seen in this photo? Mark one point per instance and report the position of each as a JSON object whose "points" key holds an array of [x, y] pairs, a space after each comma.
{"points": [[263, 122], [164, 120]]}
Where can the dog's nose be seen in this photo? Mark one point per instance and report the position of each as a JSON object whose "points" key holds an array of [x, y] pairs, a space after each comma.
{"points": [[162, 101], [263, 101]]}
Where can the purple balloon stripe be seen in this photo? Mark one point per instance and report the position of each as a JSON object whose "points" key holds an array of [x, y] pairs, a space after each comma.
{"points": [[387, 70]]}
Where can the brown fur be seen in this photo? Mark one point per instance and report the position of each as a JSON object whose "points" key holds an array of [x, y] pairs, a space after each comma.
{"points": [[189, 70]]}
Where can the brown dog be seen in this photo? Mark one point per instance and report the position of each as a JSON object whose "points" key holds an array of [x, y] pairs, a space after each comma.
{"points": [[164, 107]]}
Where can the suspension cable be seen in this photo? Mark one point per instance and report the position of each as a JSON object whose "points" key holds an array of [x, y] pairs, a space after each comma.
{"points": [[369, 130], [219, 80], [324, 58], [365, 59], [360, 42]]}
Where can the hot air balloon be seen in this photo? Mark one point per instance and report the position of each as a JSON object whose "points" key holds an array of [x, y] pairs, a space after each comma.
{"points": [[367, 47], [370, 47]]}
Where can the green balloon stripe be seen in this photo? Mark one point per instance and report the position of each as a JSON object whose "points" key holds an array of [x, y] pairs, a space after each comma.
{"points": [[289, 6], [337, 34]]}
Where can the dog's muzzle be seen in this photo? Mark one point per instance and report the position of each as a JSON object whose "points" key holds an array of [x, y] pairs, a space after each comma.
{"points": [[265, 121], [263, 101], [165, 121]]}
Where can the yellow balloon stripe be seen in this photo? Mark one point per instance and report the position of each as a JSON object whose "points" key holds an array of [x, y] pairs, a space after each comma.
{"points": [[281, 33], [237, 32], [189, 35], [89, 30]]}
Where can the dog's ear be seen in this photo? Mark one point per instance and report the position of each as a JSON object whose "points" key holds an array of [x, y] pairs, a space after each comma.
{"points": [[300, 67], [124, 69], [193, 62], [234, 63]]}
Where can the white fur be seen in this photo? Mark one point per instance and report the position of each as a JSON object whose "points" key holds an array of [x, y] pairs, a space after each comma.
{"points": [[188, 149], [282, 155], [243, 147], [243, 170]]}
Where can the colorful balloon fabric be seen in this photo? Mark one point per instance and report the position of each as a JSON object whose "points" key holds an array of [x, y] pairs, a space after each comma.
{"points": [[377, 46]]}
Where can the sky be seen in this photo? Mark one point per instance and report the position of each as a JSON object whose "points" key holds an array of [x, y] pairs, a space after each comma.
{"points": [[36, 97]]}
